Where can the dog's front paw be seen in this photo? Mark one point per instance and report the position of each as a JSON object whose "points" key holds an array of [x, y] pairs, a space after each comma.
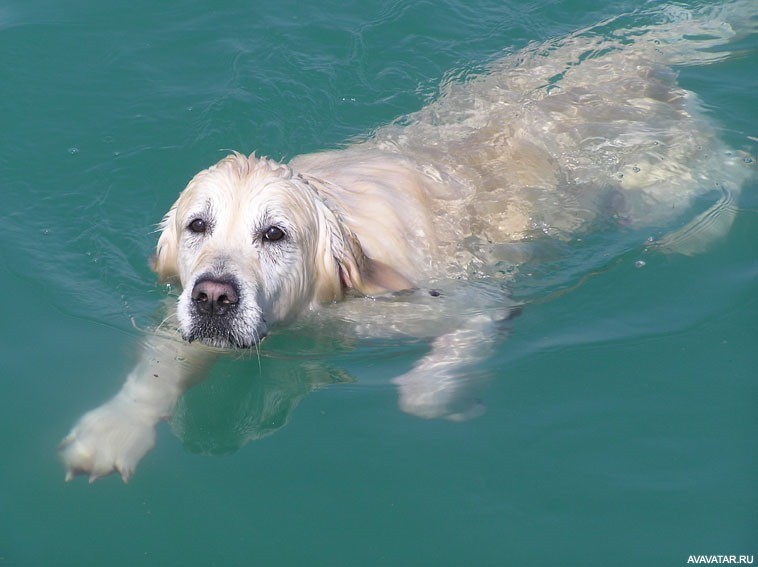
{"points": [[441, 395], [112, 437]]}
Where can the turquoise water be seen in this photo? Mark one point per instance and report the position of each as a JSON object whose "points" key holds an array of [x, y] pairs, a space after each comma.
{"points": [[620, 426]]}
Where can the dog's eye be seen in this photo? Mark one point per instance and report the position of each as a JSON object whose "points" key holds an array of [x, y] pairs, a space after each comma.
{"points": [[273, 233], [198, 226]]}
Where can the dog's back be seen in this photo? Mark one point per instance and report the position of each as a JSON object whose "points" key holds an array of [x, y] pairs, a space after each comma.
{"points": [[589, 128]]}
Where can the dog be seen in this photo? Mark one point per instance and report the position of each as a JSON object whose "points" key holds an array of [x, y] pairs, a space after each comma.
{"points": [[406, 231]]}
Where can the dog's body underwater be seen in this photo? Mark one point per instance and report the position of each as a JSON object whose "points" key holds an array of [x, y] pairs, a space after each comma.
{"points": [[588, 130]]}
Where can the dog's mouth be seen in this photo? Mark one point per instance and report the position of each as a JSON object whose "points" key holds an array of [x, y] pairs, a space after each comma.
{"points": [[222, 342], [217, 336]]}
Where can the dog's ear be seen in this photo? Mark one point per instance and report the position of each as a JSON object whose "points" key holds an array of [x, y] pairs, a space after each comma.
{"points": [[363, 274], [164, 262], [347, 266]]}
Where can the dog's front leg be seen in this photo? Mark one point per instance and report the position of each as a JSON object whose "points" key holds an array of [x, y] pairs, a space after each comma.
{"points": [[117, 434], [443, 383]]}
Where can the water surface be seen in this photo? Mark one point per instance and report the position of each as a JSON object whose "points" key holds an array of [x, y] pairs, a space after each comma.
{"points": [[620, 423]]}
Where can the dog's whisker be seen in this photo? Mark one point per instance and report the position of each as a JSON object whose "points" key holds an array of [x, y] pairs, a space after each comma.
{"points": [[257, 345], [165, 322]]}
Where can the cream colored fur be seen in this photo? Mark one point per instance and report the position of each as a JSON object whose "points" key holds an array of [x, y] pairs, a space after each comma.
{"points": [[536, 147]]}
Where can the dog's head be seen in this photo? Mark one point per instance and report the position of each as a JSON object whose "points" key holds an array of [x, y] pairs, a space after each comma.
{"points": [[252, 243]]}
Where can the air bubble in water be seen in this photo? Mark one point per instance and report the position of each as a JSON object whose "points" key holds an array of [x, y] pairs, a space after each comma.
{"points": [[639, 264]]}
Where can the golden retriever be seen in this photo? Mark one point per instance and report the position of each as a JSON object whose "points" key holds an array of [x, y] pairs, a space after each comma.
{"points": [[542, 145]]}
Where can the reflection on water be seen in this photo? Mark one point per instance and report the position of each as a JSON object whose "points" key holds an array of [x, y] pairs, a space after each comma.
{"points": [[245, 400]]}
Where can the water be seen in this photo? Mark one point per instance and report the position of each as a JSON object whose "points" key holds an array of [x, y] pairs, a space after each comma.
{"points": [[619, 425]]}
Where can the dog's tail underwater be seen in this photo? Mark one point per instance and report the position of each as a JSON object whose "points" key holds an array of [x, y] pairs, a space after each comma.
{"points": [[566, 126]]}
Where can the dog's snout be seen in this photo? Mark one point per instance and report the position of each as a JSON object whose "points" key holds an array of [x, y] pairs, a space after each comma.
{"points": [[214, 297]]}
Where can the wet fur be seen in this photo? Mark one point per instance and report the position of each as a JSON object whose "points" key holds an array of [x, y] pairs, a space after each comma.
{"points": [[541, 145]]}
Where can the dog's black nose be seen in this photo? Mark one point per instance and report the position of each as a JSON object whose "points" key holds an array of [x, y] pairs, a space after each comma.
{"points": [[214, 297]]}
